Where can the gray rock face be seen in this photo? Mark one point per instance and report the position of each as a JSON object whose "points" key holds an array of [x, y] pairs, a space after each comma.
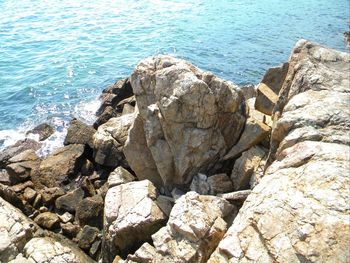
{"points": [[70, 201], [110, 138], [189, 119], [300, 209], [195, 227], [119, 176], [131, 216]]}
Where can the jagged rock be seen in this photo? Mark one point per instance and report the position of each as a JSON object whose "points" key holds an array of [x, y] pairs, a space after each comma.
{"points": [[254, 133], [90, 211], [300, 209], [109, 140], [219, 183], [128, 109], [79, 133], [87, 168], [46, 249], [165, 203], [245, 167], [70, 201], [176, 193], [87, 236], [248, 91], [138, 155], [70, 230], [49, 195], [195, 227], [88, 187], [21, 166], [199, 184], [66, 217], [236, 196], [55, 170], [15, 231], [146, 253], [47, 220], [10, 196], [5, 178], [131, 216], [44, 131], [17, 148], [29, 194], [189, 119], [112, 97], [20, 259], [95, 249], [269, 88], [119, 176]]}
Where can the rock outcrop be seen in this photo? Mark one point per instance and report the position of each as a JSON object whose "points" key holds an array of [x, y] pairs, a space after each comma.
{"points": [[189, 118], [196, 225], [131, 216], [299, 212]]}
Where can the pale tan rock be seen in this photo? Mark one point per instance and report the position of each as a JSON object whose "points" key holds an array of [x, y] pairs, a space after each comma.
{"points": [[189, 118], [246, 166], [131, 216], [268, 89], [254, 133], [110, 138], [119, 176], [220, 183], [46, 249], [15, 231], [236, 196], [196, 225], [300, 209]]}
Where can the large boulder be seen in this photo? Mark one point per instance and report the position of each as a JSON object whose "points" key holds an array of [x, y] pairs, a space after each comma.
{"points": [[47, 249], [17, 148], [299, 212], [131, 216], [21, 166], [15, 231], [189, 118], [109, 140], [195, 227], [55, 170], [79, 133]]}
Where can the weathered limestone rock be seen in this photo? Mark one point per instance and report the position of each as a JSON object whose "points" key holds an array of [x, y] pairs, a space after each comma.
{"points": [[47, 220], [70, 230], [15, 231], [245, 167], [22, 165], [195, 227], [131, 216], [300, 209], [236, 196], [79, 133], [254, 133], [189, 119], [44, 131], [17, 148], [269, 88], [70, 201], [29, 194], [110, 139], [54, 171], [119, 176], [49, 195], [46, 249]]}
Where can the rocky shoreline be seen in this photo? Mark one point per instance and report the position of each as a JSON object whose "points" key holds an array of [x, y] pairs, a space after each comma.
{"points": [[182, 166]]}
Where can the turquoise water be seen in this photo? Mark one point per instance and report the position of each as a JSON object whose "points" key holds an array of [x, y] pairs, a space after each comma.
{"points": [[57, 56]]}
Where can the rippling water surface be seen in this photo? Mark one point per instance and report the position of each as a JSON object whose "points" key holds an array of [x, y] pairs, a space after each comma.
{"points": [[57, 56]]}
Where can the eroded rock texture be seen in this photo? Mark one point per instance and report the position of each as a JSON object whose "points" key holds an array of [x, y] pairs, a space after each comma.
{"points": [[196, 225], [299, 212], [189, 119]]}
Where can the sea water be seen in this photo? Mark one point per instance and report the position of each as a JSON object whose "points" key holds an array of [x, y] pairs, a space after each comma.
{"points": [[57, 56]]}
